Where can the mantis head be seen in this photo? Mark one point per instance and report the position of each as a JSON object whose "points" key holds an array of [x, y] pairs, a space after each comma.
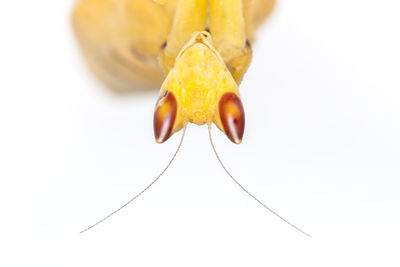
{"points": [[201, 90]]}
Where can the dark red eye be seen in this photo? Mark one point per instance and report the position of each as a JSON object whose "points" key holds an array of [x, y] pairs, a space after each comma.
{"points": [[232, 116], [164, 117]]}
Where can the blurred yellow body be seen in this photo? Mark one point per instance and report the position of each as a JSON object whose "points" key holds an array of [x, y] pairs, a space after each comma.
{"points": [[121, 39]]}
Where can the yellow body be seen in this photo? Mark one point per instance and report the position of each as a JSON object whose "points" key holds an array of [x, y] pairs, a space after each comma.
{"points": [[196, 49]]}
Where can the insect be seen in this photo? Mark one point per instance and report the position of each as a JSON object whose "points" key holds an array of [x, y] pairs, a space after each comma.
{"points": [[196, 51]]}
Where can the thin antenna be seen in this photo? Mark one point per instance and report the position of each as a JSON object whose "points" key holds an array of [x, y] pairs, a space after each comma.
{"points": [[246, 191], [144, 190]]}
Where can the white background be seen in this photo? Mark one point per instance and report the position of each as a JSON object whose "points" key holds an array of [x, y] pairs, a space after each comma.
{"points": [[322, 147]]}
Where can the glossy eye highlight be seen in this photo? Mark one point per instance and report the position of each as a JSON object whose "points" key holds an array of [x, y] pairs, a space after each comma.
{"points": [[164, 117], [232, 116]]}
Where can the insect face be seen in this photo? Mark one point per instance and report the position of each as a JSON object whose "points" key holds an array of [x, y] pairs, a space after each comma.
{"points": [[204, 90]]}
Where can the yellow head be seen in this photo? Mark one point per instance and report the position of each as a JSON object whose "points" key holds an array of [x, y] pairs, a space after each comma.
{"points": [[199, 89]]}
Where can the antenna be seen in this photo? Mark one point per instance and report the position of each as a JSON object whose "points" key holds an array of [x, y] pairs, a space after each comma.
{"points": [[144, 190], [247, 192]]}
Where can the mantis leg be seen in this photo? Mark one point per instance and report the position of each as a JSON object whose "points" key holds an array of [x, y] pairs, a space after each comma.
{"points": [[228, 29], [190, 16]]}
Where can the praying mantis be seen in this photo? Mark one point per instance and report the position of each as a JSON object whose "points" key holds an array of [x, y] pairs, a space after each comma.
{"points": [[196, 51]]}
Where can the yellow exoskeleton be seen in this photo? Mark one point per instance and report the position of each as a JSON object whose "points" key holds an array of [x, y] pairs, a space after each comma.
{"points": [[196, 51]]}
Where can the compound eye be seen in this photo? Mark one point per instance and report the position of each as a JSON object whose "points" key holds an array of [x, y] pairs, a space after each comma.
{"points": [[164, 117], [232, 116]]}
